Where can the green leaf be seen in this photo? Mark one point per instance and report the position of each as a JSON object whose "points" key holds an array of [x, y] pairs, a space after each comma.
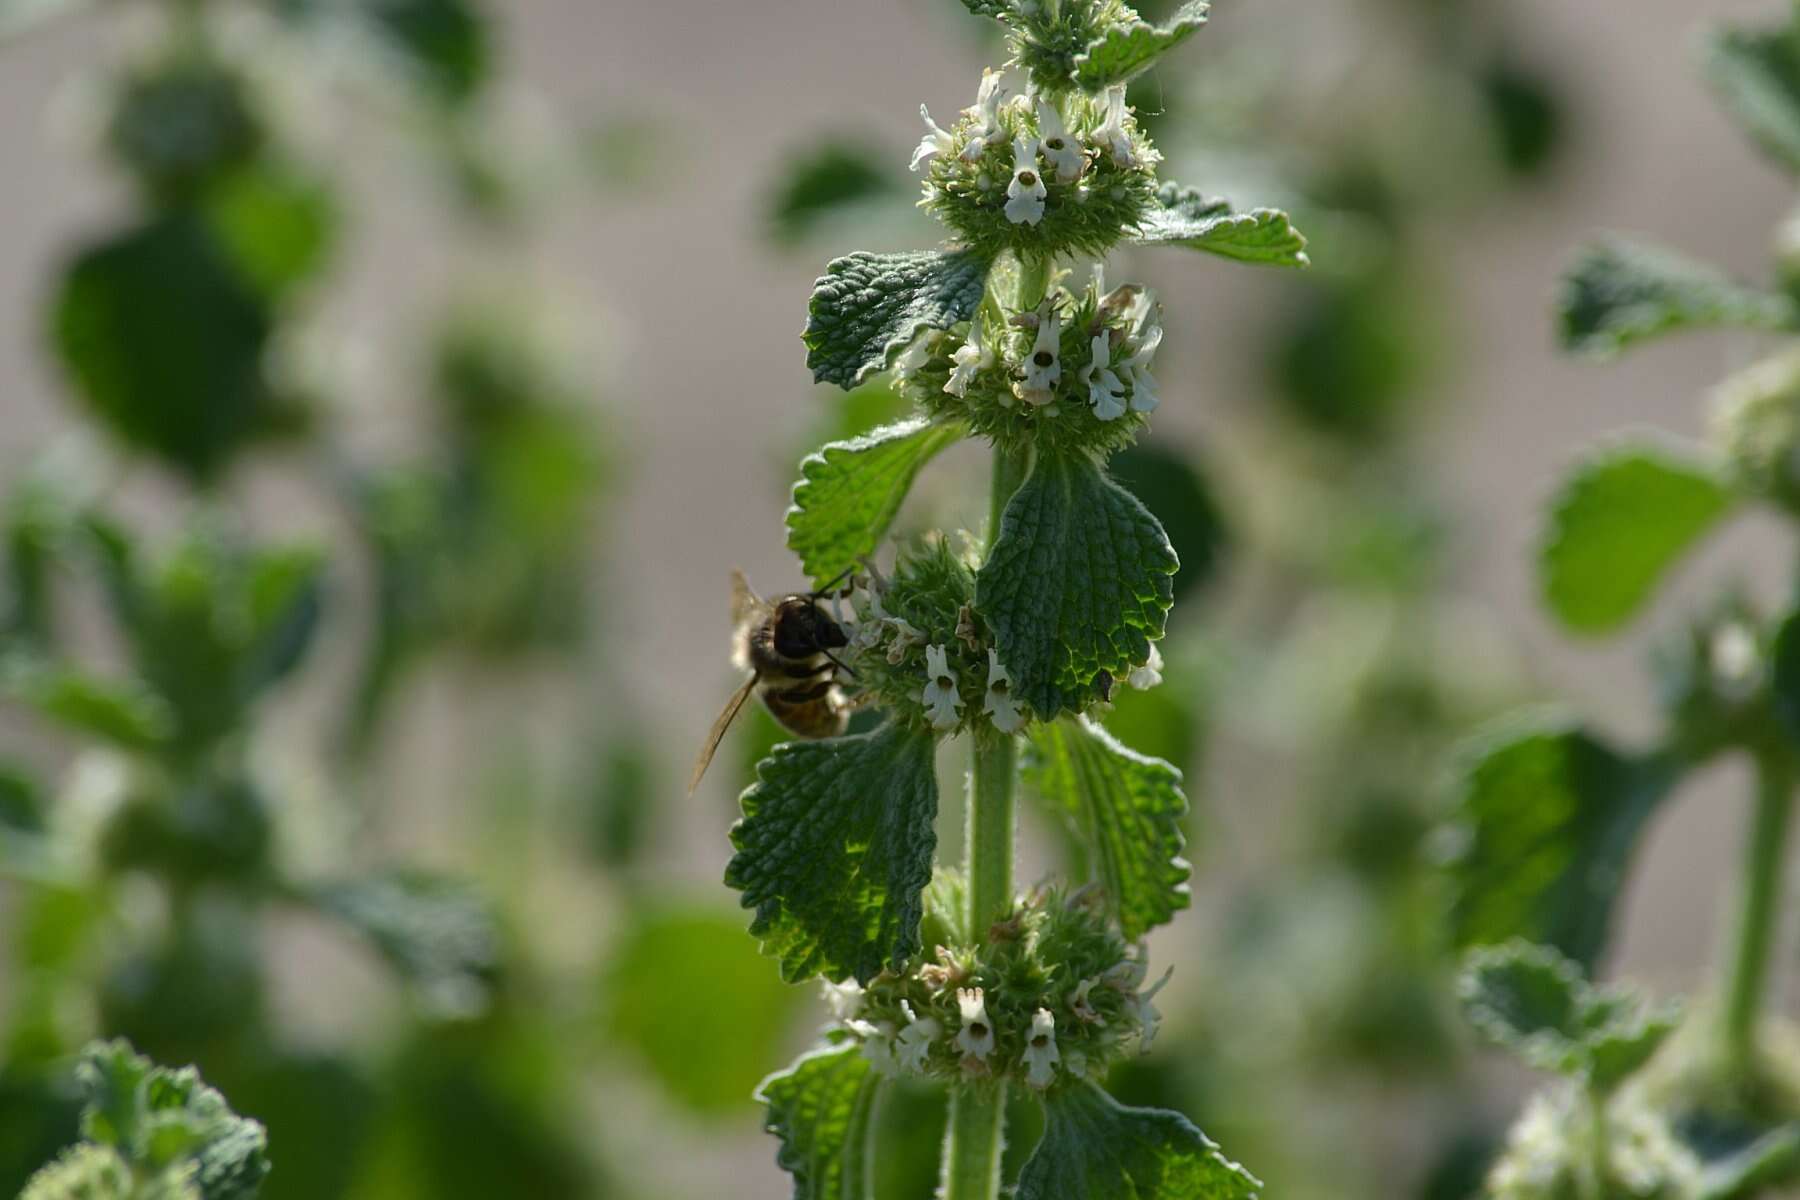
{"points": [[1126, 808], [158, 1119], [829, 177], [849, 493], [163, 338], [1619, 293], [1534, 1002], [438, 933], [662, 986], [1784, 684], [1094, 1146], [819, 1108], [1766, 1162], [1756, 73], [1621, 521], [1077, 586], [1547, 819], [123, 712], [1172, 483], [275, 223], [1185, 217], [867, 307], [834, 851], [1127, 50]]}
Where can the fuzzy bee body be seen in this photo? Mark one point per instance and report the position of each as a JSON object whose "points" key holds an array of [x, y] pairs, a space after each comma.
{"points": [[785, 646]]}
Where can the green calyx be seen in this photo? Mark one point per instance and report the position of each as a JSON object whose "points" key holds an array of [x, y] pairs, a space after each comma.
{"points": [[1048, 996], [1038, 174]]}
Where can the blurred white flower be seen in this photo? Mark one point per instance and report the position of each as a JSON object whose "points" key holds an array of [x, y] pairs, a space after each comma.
{"points": [[935, 142], [1150, 674], [971, 358], [999, 703], [1106, 392]]}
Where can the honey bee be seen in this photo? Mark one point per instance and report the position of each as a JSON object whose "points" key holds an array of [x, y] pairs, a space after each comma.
{"points": [[785, 645]]}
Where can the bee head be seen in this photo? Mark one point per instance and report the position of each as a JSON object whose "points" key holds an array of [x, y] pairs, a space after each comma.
{"points": [[802, 629]]}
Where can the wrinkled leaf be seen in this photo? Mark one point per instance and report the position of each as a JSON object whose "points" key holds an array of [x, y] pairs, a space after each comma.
{"points": [[1077, 586], [1094, 1146], [1185, 217], [1547, 817], [820, 1108], [1127, 50], [850, 492], [867, 307], [1127, 810], [1619, 293], [834, 851], [1621, 521]]}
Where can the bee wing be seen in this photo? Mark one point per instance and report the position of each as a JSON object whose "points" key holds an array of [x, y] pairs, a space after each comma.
{"points": [[727, 715], [746, 605]]}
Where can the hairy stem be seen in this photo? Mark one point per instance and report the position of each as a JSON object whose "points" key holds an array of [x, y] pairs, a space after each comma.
{"points": [[1765, 857], [972, 1143]]}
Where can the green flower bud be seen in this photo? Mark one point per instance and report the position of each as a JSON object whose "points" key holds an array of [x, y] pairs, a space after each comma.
{"points": [[1756, 426]]}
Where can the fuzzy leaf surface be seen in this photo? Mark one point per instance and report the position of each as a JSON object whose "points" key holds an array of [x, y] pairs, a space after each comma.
{"points": [[1619, 524], [1128, 50], [867, 307], [1094, 1146], [1547, 819], [819, 1108], [1077, 586], [1127, 808], [1756, 73], [834, 851], [850, 492], [1186, 217], [1620, 293]]}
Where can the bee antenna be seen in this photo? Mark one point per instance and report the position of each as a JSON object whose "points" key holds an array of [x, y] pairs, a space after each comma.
{"points": [[846, 666], [825, 591]]}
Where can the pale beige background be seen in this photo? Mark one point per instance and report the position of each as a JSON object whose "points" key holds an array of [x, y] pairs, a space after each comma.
{"points": [[701, 322]]}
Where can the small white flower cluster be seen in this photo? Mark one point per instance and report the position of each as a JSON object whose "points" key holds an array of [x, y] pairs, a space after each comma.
{"points": [[943, 701], [907, 1048], [1053, 148]]}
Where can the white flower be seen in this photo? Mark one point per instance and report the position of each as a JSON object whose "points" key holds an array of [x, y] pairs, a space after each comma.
{"points": [[905, 638], [1041, 1056], [916, 354], [843, 998], [1147, 1017], [877, 1045], [1058, 148], [977, 1036], [1106, 393], [1136, 369], [1043, 367], [986, 113], [915, 1040], [1076, 1064], [935, 142], [940, 696], [1111, 135], [1079, 1005], [999, 703], [1025, 194], [1125, 975], [971, 358], [1150, 674]]}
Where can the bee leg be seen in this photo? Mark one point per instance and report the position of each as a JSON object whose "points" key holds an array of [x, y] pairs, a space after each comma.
{"points": [[845, 667], [825, 591]]}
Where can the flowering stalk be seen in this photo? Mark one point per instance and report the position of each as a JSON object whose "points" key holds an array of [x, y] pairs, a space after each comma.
{"points": [[954, 976]]}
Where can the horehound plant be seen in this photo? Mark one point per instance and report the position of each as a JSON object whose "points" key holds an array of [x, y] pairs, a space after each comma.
{"points": [[1016, 643], [1551, 810]]}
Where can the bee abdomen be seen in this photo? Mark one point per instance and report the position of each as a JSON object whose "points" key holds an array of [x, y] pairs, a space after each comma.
{"points": [[814, 712]]}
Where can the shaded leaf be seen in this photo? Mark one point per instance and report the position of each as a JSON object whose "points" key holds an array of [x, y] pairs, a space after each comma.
{"points": [[1547, 819], [1171, 484], [1077, 586], [1756, 72], [1126, 809], [1127, 50], [121, 712], [1620, 522], [834, 851], [1619, 293], [1185, 217], [820, 1108], [438, 933], [849, 493], [830, 176], [867, 307], [1094, 1146]]}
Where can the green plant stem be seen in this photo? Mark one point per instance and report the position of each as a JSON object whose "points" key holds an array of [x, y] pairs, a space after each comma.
{"points": [[1599, 1149], [989, 830], [973, 1142], [1765, 857]]}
